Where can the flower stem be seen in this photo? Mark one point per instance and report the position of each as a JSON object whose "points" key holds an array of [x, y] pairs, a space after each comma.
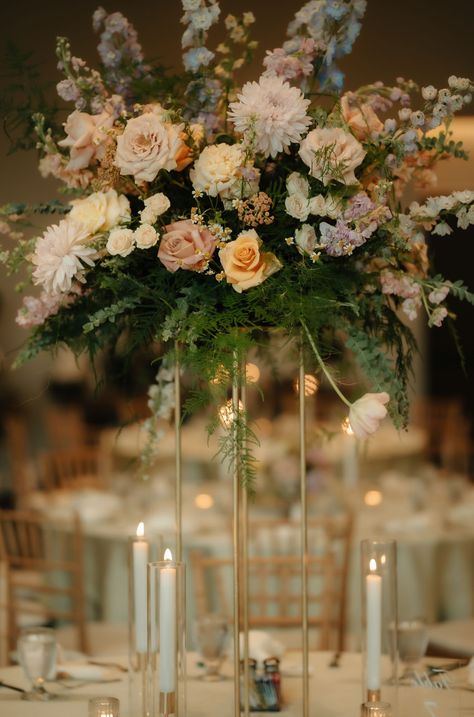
{"points": [[323, 365]]}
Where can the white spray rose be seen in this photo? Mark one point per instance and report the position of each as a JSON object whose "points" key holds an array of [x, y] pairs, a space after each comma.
{"points": [[297, 206], [297, 184], [145, 236], [367, 412], [317, 205], [305, 238], [155, 206], [121, 242]]}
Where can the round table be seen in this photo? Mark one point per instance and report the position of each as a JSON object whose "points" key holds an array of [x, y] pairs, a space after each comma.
{"points": [[333, 693]]}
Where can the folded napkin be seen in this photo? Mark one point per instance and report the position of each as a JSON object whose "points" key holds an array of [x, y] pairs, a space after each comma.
{"points": [[84, 671], [262, 645]]}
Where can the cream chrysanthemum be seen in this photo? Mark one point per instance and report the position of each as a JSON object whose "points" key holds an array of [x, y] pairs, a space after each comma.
{"points": [[60, 255], [270, 114]]}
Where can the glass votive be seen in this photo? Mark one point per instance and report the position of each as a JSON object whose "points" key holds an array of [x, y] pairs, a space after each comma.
{"points": [[104, 707], [166, 638], [379, 624]]}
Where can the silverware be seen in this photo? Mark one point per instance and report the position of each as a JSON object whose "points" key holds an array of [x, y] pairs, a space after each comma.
{"points": [[447, 667], [336, 658], [11, 687], [116, 665]]}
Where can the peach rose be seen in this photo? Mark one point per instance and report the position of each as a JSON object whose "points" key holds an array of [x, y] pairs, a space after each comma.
{"points": [[186, 246], [361, 118], [244, 264], [332, 154], [86, 137], [147, 145]]}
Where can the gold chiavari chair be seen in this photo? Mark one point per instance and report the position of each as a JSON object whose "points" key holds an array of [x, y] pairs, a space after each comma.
{"points": [[42, 568], [275, 583], [71, 469]]}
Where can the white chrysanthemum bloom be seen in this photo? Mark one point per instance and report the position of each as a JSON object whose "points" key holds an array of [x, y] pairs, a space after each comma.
{"points": [[145, 236], [332, 154], [101, 211], [217, 170], [60, 255], [273, 112]]}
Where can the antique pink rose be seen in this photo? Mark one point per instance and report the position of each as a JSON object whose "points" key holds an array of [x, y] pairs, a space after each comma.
{"points": [[147, 145], [366, 413], [186, 246], [86, 137], [361, 118]]}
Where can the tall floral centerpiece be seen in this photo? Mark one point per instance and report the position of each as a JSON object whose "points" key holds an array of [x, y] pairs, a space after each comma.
{"points": [[198, 213]]}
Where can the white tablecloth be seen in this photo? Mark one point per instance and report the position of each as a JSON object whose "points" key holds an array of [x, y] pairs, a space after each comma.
{"points": [[333, 693]]}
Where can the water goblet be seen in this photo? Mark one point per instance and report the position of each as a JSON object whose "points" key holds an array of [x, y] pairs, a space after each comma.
{"points": [[412, 637], [37, 656], [212, 631]]}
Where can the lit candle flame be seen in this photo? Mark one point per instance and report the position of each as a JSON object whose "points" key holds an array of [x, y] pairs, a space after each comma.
{"points": [[168, 554], [372, 565], [346, 427], [140, 529], [383, 559]]}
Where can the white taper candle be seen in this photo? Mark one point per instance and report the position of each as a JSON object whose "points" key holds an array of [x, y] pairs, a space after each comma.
{"points": [[140, 560], [374, 626], [168, 625]]}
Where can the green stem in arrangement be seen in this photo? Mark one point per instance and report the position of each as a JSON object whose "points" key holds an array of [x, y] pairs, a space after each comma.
{"points": [[323, 365]]}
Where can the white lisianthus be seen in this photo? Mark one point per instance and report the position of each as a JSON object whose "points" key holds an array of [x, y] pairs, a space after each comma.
{"points": [[367, 412], [332, 154], [297, 206], [121, 242], [297, 184], [101, 211], [145, 236], [217, 171], [305, 238]]}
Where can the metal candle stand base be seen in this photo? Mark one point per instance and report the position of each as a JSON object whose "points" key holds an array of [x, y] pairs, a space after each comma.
{"points": [[167, 704], [375, 709]]}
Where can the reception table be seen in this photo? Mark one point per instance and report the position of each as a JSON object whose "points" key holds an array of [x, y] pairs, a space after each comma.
{"points": [[335, 692]]}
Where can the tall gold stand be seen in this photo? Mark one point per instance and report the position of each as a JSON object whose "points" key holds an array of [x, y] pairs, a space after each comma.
{"points": [[178, 453], [304, 534]]}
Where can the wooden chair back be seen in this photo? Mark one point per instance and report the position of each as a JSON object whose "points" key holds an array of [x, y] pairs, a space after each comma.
{"points": [[71, 469], [18, 454], [275, 582], [43, 573]]}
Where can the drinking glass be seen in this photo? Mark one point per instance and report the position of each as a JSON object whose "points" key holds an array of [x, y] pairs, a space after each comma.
{"points": [[412, 643], [212, 631], [37, 655]]}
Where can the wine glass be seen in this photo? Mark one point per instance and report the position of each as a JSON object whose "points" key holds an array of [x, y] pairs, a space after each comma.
{"points": [[412, 636], [212, 631], [37, 655]]}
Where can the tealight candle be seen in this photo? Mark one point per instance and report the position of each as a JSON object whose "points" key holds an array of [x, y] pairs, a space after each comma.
{"points": [[104, 707]]}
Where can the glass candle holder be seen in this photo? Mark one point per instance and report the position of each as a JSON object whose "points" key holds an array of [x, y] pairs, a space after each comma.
{"points": [[142, 550], [379, 625], [166, 638], [104, 707]]}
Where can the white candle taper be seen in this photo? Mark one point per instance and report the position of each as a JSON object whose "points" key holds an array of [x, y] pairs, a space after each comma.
{"points": [[168, 625], [374, 626], [140, 559]]}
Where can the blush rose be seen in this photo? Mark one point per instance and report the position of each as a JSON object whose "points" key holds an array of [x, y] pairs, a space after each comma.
{"points": [[184, 245]]}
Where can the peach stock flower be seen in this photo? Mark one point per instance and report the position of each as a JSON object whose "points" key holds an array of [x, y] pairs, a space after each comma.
{"points": [[147, 145], [86, 137], [366, 413], [244, 264], [360, 117], [186, 246]]}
